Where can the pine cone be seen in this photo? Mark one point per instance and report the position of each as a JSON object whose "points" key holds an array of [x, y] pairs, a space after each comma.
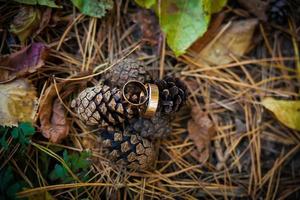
{"points": [[100, 105], [127, 148], [125, 70], [172, 94], [157, 127], [278, 11]]}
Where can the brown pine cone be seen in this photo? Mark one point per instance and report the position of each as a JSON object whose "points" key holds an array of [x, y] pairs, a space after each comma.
{"points": [[127, 148], [125, 70], [156, 127], [100, 105], [172, 94]]}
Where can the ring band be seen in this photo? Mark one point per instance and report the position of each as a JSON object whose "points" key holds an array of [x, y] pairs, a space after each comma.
{"points": [[141, 86], [152, 100]]}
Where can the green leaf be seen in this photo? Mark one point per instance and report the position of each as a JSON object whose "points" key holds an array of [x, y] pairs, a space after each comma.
{"points": [[79, 164], [27, 128], [183, 22], [287, 112], [15, 133], [9, 186], [13, 190], [83, 161], [65, 156], [3, 141], [6, 177], [217, 5], [93, 8], [145, 3], [49, 3], [59, 172]]}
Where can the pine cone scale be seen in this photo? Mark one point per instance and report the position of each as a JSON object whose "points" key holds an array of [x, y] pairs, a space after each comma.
{"points": [[126, 70], [128, 149], [172, 94], [102, 106]]}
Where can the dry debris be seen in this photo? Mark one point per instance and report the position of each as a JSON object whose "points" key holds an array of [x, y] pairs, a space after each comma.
{"points": [[201, 130], [52, 115], [18, 102]]}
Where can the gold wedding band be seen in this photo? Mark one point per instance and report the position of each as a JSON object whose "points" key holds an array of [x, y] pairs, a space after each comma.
{"points": [[141, 86], [152, 100]]}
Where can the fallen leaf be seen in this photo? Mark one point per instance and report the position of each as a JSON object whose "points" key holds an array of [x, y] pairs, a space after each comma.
{"points": [[201, 130], [18, 102], [256, 7], [52, 116], [235, 41], [25, 22], [148, 26], [212, 31], [27, 60], [45, 20], [217, 5], [183, 22], [287, 112], [146, 3], [49, 3], [93, 8]]}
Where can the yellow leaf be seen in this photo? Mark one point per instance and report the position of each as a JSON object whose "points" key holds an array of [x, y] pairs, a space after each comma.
{"points": [[18, 102], [233, 42], [217, 5], [287, 112]]}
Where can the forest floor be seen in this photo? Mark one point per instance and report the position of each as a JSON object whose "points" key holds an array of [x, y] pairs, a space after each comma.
{"points": [[242, 151]]}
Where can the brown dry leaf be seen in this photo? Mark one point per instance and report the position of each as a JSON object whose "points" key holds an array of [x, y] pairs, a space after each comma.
{"points": [[18, 102], [46, 17], [30, 21], [234, 42], [256, 7], [52, 116], [27, 60], [25, 22], [201, 130]]}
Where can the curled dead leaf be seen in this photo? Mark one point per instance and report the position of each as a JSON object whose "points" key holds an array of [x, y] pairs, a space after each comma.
{"points": [[46, 17], [30, 21], [18, 102], [201, 130], [27, 60], [25, 22], [234, 42], [52, 116]]}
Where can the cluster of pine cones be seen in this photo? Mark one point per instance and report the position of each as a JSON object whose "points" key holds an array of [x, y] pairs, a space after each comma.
{"points": [[126, 135]]}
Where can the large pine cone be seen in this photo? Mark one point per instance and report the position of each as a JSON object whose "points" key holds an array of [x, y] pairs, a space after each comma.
{"points": [[278, 11], [100, 105], [125, 70], [127, 148], [172, 94], [156, 127]]}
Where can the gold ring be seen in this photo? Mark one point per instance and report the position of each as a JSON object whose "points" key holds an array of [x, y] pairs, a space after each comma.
{"points": [[139, 85], [152, 100]]}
